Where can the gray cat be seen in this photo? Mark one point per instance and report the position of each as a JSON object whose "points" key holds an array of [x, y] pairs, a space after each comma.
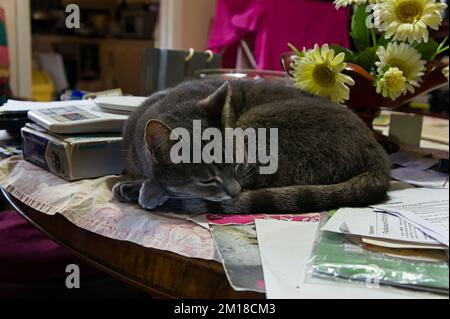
{"points": [[327, 157]]}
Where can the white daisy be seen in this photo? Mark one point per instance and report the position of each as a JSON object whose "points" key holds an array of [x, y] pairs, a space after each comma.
{"points": [[445, 72], [319, 72], [408, 20], [406, 59], [392, 85]]}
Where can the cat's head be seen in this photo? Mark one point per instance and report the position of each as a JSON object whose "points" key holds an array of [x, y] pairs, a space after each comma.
{"points": [[211, 181]]}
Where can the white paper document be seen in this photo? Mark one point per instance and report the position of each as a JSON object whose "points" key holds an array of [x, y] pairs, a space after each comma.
{"points": [[426, 208], [287, 245], [23, 106], [412, 160], [366, 222], [285, 249], [398, 244], [427, 178]]}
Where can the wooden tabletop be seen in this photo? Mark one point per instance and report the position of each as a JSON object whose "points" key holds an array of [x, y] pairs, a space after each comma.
{"points": [[163, 274]]}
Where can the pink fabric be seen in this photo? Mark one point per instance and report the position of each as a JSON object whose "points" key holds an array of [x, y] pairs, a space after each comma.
{"points": [[274, 23]]}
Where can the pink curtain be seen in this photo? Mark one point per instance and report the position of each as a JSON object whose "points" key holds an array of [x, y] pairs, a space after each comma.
{"points": [[268, 25]]}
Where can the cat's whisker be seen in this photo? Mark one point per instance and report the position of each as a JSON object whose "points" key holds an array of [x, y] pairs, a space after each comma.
{"points": [[247, 177], [249, 169]]}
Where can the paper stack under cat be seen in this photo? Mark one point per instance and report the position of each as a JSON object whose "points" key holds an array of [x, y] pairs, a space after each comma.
{"points": [[72, 139]]}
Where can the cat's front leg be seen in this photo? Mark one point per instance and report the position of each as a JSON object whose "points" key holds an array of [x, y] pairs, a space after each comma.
{"points": [[151, 195], [127, 192]]}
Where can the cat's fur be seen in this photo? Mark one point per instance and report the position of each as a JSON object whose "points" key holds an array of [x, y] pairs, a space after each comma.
{"points": [[328, 157]]}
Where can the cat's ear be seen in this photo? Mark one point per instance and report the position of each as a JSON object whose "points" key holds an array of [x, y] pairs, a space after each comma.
{"points": [[157, 137], [219, 105]]}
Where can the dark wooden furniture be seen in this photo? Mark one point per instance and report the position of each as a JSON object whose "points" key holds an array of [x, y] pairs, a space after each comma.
{"points": [[160, 273]]}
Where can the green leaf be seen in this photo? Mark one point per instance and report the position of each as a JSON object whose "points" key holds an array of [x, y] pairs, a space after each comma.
{"points": [[367, 58], [360, 33], [426, 50], [382, 41], [349, 54]]}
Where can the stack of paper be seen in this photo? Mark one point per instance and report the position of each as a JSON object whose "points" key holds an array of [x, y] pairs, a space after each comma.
{"points": [[411, 218], [406, 238], [12, 106], [285, 249], [427, 209], [415, 169], [388, 230]]}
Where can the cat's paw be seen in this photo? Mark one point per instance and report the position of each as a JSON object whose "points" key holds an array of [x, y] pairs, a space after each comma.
{"points": [[127, 192], [151, 195]]}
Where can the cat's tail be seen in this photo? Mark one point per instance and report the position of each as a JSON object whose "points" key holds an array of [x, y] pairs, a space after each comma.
{"points": [[361, 190]]}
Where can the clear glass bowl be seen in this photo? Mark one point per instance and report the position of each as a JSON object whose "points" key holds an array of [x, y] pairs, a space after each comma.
{"points": [[233, 74]]}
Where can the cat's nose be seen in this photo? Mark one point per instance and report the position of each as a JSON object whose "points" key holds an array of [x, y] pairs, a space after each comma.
{"points": [[233, 188]]}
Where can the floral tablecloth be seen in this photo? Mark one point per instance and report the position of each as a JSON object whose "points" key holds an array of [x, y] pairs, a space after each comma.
{"points": [[91, 205]]}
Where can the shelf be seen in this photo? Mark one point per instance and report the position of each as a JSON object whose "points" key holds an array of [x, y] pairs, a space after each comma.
{"points": [[55, 38]]}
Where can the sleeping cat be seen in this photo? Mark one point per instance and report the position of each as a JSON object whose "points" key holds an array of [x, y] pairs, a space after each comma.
{"points": [[327, 157]]}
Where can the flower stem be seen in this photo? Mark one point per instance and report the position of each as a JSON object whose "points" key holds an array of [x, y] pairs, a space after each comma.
{"points": [[439, 51], [374, 37], [294, 49]]}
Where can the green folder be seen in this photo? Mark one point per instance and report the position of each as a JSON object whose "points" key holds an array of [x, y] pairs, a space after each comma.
{"points": [[336, 257]]}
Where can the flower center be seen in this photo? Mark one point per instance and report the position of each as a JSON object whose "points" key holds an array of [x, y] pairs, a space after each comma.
{"points": [[396, 63], [409, 11], [394, 82], [324, 75], [394, 79]]}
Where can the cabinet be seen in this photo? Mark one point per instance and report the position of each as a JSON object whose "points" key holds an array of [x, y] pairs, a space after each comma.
{"points": [[113, 63], [121, 64]]}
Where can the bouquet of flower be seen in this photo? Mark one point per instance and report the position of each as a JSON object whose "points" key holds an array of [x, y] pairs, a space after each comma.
{"points": [[393, 44]]}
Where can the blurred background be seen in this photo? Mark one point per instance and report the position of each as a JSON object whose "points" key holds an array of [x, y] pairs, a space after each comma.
{"points": [[107, 51]]}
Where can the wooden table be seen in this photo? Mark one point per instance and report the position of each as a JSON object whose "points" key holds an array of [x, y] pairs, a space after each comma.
{"points": [[160, 273]]}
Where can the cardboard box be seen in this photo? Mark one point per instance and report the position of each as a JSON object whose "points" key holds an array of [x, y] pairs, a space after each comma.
{"points": [[406, 128], [73, 157]]}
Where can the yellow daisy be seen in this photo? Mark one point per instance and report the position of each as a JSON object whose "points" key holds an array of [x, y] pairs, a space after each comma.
{"points": [[319, 72], [408, 20], [392, 84], [406, 59], [445, 72]]}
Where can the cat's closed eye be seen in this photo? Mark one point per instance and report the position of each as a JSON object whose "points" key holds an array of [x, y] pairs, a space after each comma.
{"points": [[209, 182]]}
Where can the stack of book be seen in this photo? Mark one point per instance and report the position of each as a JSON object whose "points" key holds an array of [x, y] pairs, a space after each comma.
{"points": [[73, 157], [72, 139]]}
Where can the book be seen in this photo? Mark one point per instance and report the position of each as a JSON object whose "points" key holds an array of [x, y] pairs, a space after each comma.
{"points": [[73, 157]]}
